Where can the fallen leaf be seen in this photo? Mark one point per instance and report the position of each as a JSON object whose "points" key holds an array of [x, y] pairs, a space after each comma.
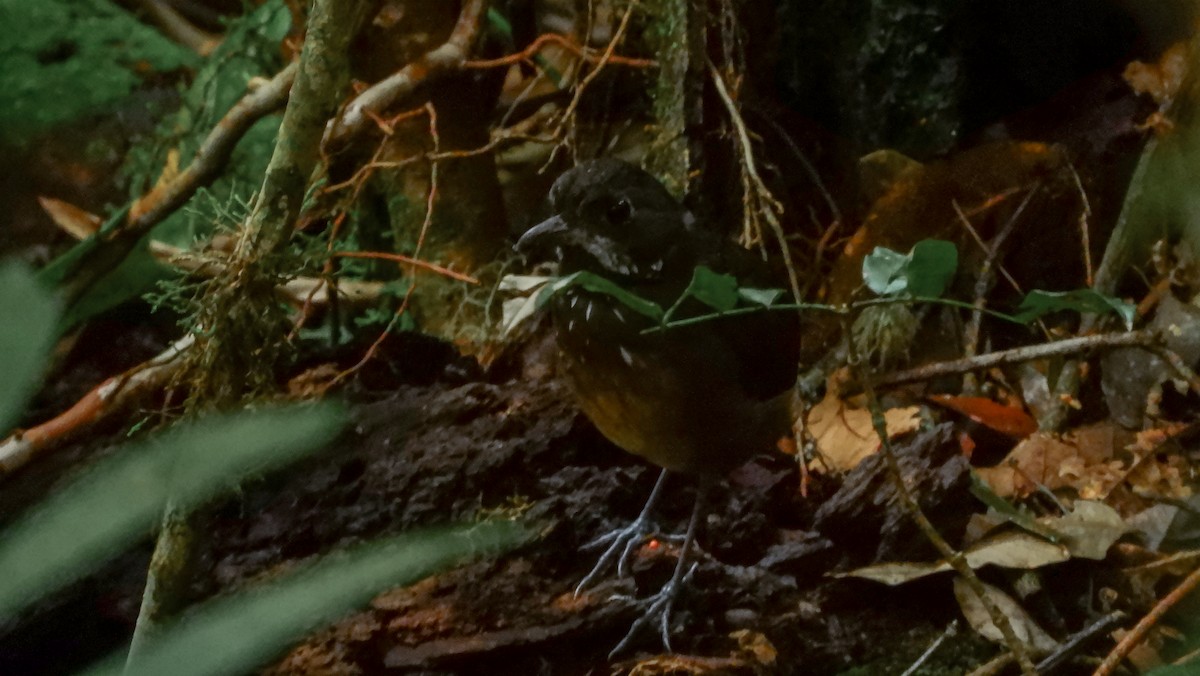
{"points": [[1008, 420], [1084, 460], [75, 221], [1009, 549], [844, 433], [1089, 529], [1024, 626]]}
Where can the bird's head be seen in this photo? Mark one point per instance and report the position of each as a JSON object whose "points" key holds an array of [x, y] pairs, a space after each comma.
{"points": [[612, 219]]}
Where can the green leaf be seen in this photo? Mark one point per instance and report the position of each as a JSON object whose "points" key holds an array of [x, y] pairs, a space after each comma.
{"points": [[1006, 510], [253, 627], [1038, 303], [763, 297], [926, 271], [597, 284], [28, 316], [716, 290], [884, 271], [931, 267], [122, 498]]}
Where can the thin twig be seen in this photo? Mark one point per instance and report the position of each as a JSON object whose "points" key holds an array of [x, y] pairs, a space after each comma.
{"points": [[1085, 216], [952, 556], [1059, 348], [770, 207], [176, 27], [109, 397], [164, 199], [407, 260], [951, 630], [1139, 631], [446, 58], [527, 54], [1080, 638], [413, 261], [983, 283], [605, 58]]}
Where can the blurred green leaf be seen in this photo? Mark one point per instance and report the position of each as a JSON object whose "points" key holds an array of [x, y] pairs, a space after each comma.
{"points": [[718, 291], [236, 635], [931, 267], [883, 271], [28, 317], [763, 297], [597, 284], [1039, 303], [121, 499]]}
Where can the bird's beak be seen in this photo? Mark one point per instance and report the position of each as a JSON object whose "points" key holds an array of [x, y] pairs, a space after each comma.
{"points": [[542, 237]]}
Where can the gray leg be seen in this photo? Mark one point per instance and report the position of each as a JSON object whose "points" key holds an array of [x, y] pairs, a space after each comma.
{"points": [[660, 605], [622, 541]]}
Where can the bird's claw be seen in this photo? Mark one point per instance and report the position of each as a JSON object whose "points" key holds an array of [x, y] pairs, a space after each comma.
{"points": [[621, 544], [658, 607]]}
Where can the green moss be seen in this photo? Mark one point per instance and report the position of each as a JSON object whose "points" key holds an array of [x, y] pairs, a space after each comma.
{"points": [[61, 59], [249, 49]]}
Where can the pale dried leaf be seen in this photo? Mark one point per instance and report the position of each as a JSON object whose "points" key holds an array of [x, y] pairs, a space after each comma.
{"points": [[844, 433], [75, 221], [1089, 530], [1009, 549], [1026, 630]]}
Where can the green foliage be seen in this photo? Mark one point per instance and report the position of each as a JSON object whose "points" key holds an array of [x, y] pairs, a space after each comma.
{"points": [[926, 271], [1039, 303], [597, 284], [254, 626], [61, 59], [119, 500], [28, 318], [719, 292], [249, 49]]}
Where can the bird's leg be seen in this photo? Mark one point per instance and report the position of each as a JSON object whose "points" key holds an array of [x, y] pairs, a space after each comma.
{"points": [[660, 605], [622, 541]]}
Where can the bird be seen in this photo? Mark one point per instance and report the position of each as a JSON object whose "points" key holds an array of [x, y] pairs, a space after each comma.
{"points": [[698, 400]]}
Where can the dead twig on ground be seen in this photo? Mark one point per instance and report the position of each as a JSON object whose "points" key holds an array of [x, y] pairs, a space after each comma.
{"points": [[1139, 631], [953, 557], [113, 395]]}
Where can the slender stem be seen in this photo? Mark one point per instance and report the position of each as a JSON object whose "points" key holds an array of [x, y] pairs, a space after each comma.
{"points": [[953, 557]]}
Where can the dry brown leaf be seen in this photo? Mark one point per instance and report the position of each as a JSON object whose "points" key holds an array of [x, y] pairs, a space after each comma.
{"points": [[1036, 460], [76, 222], [843, 431], [1161, 80], [1084, 459], [1145, 655]]}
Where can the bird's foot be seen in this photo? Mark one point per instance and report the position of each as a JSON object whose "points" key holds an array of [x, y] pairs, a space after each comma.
{"points": [[620, 544], [657, 609]]}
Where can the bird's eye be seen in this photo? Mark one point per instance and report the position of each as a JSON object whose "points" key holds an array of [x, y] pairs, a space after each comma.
{"points": [[620, 212]]}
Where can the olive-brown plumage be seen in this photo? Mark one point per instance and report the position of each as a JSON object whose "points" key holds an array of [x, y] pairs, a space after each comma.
{"points": [[700, 399]]}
